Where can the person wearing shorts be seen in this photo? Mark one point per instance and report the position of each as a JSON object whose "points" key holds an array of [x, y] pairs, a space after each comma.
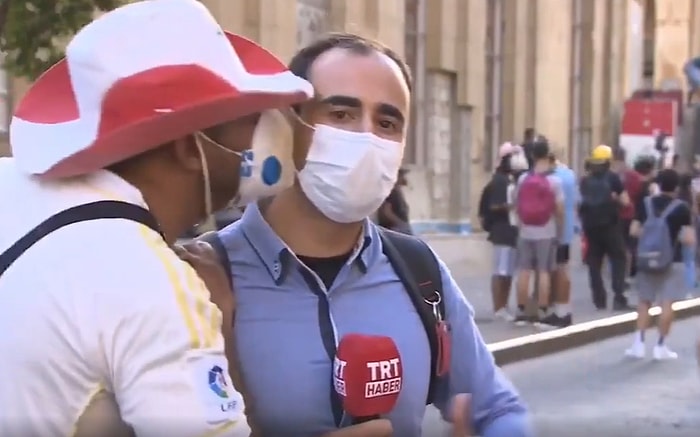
{"points": [[536, 255], [502, 233], [537, 245], [561, 278], [667, 287]]}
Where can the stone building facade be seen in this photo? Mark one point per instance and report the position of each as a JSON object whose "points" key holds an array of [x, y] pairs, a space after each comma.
{"points": [[484, 71]]}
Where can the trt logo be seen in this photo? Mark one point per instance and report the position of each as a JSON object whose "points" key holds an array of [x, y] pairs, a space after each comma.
{"points": [[385, 369], [339, 376], [385, 378], [247, 164]]}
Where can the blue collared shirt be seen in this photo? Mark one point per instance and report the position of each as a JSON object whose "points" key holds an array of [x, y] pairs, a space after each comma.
{"points": [[288, 325]]}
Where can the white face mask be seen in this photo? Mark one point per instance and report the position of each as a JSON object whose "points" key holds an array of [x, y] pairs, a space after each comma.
{"points": [[267, 167], [348, 175]]}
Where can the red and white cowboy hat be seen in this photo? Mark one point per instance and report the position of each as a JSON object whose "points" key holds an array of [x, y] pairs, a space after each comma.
{"points": [[140, 76]]}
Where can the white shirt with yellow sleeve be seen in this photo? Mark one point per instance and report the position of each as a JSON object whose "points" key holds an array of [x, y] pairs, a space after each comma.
{"points": [[103, 329]]}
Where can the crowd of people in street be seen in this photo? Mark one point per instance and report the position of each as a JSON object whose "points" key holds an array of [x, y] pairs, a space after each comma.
{"points": [[528, 208], [638, 223]]}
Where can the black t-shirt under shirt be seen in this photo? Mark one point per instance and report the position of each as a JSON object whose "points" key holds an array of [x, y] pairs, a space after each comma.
{"points": [[327, 269], [678, 218]]}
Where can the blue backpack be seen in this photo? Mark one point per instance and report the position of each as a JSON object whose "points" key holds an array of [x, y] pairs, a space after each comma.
{"points": [[656, 249]]}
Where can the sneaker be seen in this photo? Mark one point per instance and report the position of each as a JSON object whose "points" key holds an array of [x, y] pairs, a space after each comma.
{"points": [[503, 314], [622, 305], [565, 321], [522, 319], [662, 352], [550, 321], [637, 350]]}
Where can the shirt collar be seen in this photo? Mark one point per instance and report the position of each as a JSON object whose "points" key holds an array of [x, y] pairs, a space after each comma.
{"points": [[112, 186], [276, 255]]}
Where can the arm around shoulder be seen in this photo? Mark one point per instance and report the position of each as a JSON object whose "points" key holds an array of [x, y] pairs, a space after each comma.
{"points": [[165, 352], [497, 409]]}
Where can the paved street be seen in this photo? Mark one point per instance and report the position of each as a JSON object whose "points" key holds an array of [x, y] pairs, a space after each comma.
{"points": [[594, 390]]}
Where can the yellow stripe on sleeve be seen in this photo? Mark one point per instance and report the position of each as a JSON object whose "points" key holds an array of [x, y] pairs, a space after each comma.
{"points": [[189, 314]]}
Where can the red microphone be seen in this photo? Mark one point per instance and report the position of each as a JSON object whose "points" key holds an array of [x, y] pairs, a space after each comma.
{"points": [[367, 375]]}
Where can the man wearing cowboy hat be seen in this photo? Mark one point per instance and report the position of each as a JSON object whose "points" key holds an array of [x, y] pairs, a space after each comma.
{"points": [[139, 133]]}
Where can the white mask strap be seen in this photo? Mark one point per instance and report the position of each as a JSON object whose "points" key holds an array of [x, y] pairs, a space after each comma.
{"points": [[208, 207], [208, 138], [294, 115]]}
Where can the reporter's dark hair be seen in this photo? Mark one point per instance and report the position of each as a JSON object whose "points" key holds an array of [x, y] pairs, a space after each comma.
{"points": [[302, 61]]}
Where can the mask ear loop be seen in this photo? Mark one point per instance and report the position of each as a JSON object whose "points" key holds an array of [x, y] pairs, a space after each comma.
{"points": [[208, 207], [235, 202], [292, 116]]}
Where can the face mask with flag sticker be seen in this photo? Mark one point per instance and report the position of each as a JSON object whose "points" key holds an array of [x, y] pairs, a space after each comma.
{"points": [[267, 167]]}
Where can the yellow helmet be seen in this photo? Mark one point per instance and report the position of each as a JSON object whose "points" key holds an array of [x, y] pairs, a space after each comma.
{"points": [[601, 153]]}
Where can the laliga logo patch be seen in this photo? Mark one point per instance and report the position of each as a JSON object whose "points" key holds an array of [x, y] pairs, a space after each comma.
{"points": [[217, 382]]}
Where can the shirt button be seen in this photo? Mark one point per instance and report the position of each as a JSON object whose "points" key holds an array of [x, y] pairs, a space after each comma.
{"points": [[276, 267]]}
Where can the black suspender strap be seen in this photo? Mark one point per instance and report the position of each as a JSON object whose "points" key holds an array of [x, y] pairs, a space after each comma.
{"points": [[104, 209]]}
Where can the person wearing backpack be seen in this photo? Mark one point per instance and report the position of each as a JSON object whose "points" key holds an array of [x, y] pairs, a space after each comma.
{"points": [[539, 207], [502, 233], [644, 167], [663, 226], [602, 196], [308, 267]]}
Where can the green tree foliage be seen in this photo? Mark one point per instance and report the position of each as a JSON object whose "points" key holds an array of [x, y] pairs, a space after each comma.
{"points": [[34, 32]]}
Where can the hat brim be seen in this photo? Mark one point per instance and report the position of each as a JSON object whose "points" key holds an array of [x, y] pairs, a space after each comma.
{"points": [[40, 131]]}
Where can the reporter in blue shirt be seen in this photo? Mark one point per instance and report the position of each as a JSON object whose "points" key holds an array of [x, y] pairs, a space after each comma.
{"points": [[308, 265]]}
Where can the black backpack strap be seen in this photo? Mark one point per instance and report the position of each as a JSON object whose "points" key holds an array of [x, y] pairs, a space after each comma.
{"points": [[103, 209], [419, 272], [218, 246]]}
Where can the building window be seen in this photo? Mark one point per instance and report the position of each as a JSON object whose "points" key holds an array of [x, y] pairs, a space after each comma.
{"points": [[4, 99]]}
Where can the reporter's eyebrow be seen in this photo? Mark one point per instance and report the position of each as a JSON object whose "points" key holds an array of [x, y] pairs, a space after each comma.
{"points": [[391, 111], [353, 102], [340, 100]]}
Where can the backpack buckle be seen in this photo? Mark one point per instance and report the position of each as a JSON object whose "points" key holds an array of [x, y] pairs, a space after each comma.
{"points": [[434, 302]]}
